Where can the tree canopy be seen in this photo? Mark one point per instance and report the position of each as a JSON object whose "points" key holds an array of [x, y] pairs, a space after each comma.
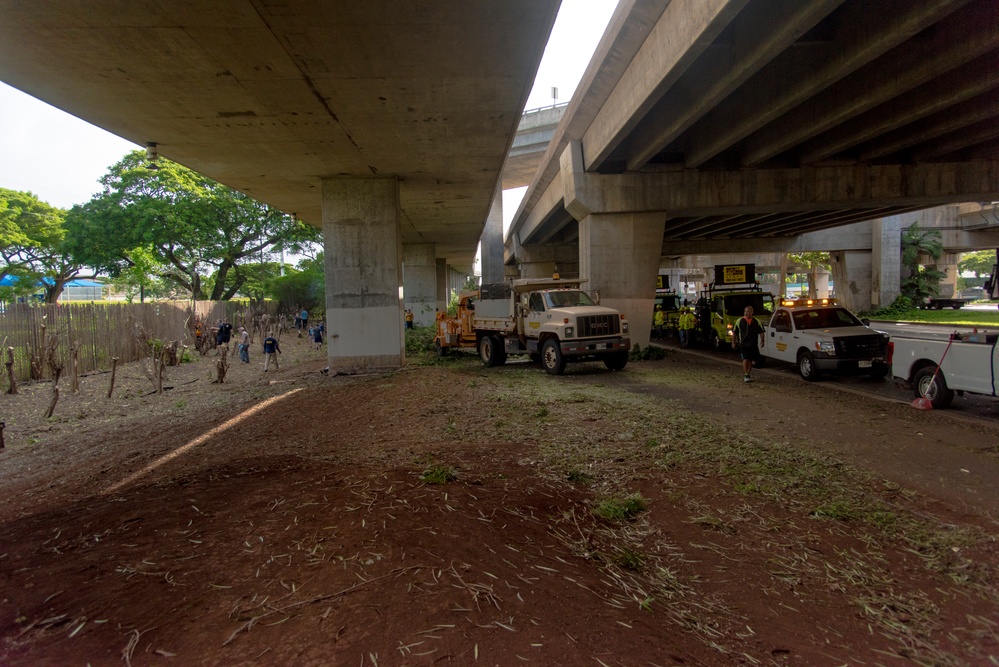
{"points": [[190, 226], [32, 246]]}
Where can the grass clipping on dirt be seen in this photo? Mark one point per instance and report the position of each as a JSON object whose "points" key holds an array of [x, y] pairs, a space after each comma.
{"points": [[731, 483]]}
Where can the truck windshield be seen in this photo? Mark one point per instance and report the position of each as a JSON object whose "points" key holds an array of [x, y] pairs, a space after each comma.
{"points": [[762, 303], [825, 318], [568, 298]]}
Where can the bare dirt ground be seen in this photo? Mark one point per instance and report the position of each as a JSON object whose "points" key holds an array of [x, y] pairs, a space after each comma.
{"points": [[665, 515]]}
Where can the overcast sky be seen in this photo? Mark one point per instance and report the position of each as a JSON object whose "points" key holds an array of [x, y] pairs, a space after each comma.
{"points": [[60, 158]]}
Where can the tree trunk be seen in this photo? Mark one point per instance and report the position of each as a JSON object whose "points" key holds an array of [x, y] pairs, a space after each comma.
{"points": [[57, 370], [74, 367], [222, 365], [52, 403], [12, 380], [114, 370]]}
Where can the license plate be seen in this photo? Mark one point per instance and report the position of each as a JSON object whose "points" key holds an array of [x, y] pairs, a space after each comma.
{"points": [[601, 346], [863, 364]]}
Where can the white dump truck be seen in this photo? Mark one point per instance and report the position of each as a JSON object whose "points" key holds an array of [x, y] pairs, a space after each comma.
{"points": [[554, 321], [969, 364]]}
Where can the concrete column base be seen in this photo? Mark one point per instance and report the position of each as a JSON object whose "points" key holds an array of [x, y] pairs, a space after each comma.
{"points": [[619, 258], [363, 262], [419, 265], [851, 270]]}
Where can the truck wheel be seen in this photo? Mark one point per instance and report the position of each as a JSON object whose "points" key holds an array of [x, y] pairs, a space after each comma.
{"points": [[806, 366], [616, 361], [441, 350], [490, 351], [934, 390], [551, 357]]}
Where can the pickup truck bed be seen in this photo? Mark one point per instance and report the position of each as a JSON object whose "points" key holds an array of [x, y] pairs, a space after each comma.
{"points": [[971, 364]]}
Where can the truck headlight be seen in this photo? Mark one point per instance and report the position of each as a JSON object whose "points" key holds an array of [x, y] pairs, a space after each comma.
{"points": [[624, 326], [826, 346], [569, 332]]}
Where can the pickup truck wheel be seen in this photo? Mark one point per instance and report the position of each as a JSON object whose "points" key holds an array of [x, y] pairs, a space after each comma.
{"points": [[806, 366], [616, 361], [490, 351], [551, 357], [934, 390]]}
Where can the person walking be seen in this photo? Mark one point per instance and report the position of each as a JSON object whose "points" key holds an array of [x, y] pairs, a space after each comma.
{"points": [[271, 351], [659, 319], [244, 345], [747, 337], [317, 336], [304, 316]]}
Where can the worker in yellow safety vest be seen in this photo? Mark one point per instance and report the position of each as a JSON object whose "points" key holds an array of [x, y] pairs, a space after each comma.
{"points": [[659, 321], [686, 326]]}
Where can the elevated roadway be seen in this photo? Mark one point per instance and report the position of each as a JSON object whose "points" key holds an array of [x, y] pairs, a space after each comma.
{"points": [[735, 120], [385, 123]]}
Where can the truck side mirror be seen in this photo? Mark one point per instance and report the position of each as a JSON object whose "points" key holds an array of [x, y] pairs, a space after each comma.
{"points": [[596, 297]]}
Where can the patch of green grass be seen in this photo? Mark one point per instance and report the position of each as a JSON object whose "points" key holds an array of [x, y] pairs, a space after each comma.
{"points": [[579, 476], [439, 474], [620, 509], [181, 404], [838, 510], [542, 412], [629, 559]]}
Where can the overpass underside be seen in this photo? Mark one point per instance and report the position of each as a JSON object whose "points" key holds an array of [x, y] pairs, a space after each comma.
{"points": [[731, 120]]}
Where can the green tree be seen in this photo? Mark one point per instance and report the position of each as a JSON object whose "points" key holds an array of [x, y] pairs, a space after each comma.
{"points": [[980, 262], [920, 281], [32, 246], [302, 287], [192, 226]]}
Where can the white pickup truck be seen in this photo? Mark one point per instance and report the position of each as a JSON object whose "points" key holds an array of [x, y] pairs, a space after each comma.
{"points": [[970, 365]]}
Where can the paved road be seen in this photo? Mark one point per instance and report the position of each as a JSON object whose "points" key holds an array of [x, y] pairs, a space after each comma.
{"points": [[968, 406]]}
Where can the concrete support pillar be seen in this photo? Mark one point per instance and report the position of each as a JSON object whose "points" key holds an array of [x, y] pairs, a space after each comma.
{"points": [[619, 258], [363, 263], [948, 264], [851, 271], [420, 281], [886, 258], [818, 283], [492, 240], [443, 294]]}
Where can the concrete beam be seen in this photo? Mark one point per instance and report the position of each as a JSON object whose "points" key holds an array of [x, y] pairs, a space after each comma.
{"points": [[848, 237], [683, 31], [696, 193]]}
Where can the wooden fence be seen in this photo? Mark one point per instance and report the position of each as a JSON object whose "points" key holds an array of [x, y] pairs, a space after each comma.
{"points": [[104, 330]]}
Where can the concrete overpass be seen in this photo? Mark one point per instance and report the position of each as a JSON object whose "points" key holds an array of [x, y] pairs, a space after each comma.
{"points": [[739, 120], [385, 123]]}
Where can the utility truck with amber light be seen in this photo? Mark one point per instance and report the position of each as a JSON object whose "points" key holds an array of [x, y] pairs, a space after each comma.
{"points": [[819, 336], [553, 321]]}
